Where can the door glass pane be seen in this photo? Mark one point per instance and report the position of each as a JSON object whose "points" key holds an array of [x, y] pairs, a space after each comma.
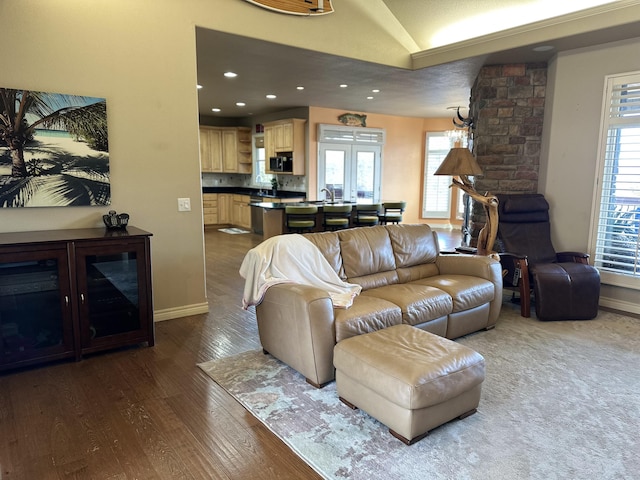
{"points": [[365, 175], [112, 290], [30, 308], [334, 164]]}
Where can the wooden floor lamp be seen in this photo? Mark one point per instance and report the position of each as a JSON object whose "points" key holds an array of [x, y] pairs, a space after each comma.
{"points": [[461, 163]]}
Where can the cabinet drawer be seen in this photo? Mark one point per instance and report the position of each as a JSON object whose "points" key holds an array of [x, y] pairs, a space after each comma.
{"points": [[211, 219]]}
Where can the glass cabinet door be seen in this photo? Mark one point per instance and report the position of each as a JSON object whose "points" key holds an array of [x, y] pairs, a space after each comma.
{"points": [[35, 310], [111, 291]]}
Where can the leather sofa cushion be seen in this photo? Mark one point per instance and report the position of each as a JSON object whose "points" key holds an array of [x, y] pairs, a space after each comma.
{"points": [[412, 244], [329, 244], [375, 280], [410, 367], [417, 272], [366, 251], [419, 303], [466, 291], [367, 314]]}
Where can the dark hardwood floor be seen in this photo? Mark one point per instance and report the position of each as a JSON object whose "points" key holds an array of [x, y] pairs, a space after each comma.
{"points": [[150, 413]]}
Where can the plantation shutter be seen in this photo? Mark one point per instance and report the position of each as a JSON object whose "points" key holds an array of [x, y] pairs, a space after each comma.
{"points": [[436, 199], [615, 238], [355, 135]]}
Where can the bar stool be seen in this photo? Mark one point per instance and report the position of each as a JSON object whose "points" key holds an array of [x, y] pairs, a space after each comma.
{"points": [[336, 217], [392, 212], [367, 215], [300, 218]]}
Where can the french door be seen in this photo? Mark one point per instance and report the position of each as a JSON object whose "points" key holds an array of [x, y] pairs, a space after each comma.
{"points": [[351, 171]]}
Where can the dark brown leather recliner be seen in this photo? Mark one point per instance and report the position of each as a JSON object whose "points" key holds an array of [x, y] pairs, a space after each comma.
{"points": [[565, 286]]}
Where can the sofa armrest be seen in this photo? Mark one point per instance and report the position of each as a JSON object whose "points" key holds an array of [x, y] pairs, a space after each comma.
{"points": [[476, 266], [296, 325]]}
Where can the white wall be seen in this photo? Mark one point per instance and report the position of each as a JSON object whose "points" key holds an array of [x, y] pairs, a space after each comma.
{"points": [[570, 145], [140, 56]]}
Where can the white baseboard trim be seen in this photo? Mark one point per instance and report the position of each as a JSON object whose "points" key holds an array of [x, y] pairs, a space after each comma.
{"points": [[177, 312], [620, 305]]}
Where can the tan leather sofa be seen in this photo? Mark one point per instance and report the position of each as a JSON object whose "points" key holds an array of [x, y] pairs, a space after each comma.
{"points": [[404, 279]]}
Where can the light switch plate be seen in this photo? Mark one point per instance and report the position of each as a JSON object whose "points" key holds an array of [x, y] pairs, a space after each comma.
{"points": [[184, 204]]}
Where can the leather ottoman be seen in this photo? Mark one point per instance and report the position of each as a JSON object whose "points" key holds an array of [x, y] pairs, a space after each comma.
{"points": [[410, 380], [566, 291]]}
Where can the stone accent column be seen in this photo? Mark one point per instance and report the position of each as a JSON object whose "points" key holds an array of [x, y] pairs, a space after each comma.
{"points": [[507, 105]]}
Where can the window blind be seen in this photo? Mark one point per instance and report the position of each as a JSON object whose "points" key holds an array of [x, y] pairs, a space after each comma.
{"points": [[355, 135]]}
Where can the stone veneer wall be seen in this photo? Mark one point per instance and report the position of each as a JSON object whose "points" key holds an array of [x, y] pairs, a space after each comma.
{"points": [[507, 105]]}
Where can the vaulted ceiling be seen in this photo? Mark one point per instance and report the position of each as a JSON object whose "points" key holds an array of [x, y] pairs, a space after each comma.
{"points": [[447, 42]]}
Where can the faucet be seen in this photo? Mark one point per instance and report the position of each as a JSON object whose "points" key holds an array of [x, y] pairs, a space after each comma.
{"points": [[332, 194], [260, 181]]}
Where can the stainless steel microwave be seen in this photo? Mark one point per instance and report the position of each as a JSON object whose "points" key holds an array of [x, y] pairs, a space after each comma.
{"points": [[281, 164]]}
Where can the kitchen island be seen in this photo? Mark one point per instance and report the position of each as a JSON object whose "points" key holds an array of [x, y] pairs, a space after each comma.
{"points": [[273, 217]]}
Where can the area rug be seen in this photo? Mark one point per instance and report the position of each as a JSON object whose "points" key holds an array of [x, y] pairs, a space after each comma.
{"points": [[233, 230], [561, 400]]}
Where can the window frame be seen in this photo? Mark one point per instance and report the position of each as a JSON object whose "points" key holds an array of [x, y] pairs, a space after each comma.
{"points": [[613, 120], [265, 177], [454, 212]]}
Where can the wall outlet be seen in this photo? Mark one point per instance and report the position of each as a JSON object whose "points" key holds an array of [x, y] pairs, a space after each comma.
{"points": [[184, 204]]}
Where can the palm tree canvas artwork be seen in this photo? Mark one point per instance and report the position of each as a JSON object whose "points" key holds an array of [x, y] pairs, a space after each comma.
{"points": [[54, 150]]}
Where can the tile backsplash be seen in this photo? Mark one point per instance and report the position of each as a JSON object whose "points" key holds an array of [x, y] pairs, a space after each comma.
{"points": [[294, 183]]}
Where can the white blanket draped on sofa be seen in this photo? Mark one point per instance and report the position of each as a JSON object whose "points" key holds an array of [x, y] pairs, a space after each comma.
{"points": [[291, 259]]}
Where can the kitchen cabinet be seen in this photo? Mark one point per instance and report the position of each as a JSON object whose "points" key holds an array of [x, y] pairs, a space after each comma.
{"points": [[210, 150], [284, 136], [67, 293], [225, 208], [225, 150], [210, 208], [241, 211]]}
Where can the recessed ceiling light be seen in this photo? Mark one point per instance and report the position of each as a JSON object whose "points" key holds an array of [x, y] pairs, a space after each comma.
{"points": [[543, 48], [299, 87], [369, 98], [198, 87], [271, 96], [215, 109], [375, 90], [230, 74], [344, 85], [240, 104]]}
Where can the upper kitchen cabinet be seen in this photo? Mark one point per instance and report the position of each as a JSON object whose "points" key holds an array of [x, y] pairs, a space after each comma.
{"points": [[225, 149], [284, 136]]}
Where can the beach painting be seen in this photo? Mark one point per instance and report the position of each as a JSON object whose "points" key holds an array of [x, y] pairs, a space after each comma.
{"points": [[54, 150]]}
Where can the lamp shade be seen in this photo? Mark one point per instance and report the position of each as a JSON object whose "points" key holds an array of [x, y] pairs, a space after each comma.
{"points": [[459, 161]]}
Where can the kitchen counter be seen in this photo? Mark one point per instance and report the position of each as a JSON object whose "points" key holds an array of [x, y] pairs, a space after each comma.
{"points": [[255, 192], [281, 206], [273, 217]]}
